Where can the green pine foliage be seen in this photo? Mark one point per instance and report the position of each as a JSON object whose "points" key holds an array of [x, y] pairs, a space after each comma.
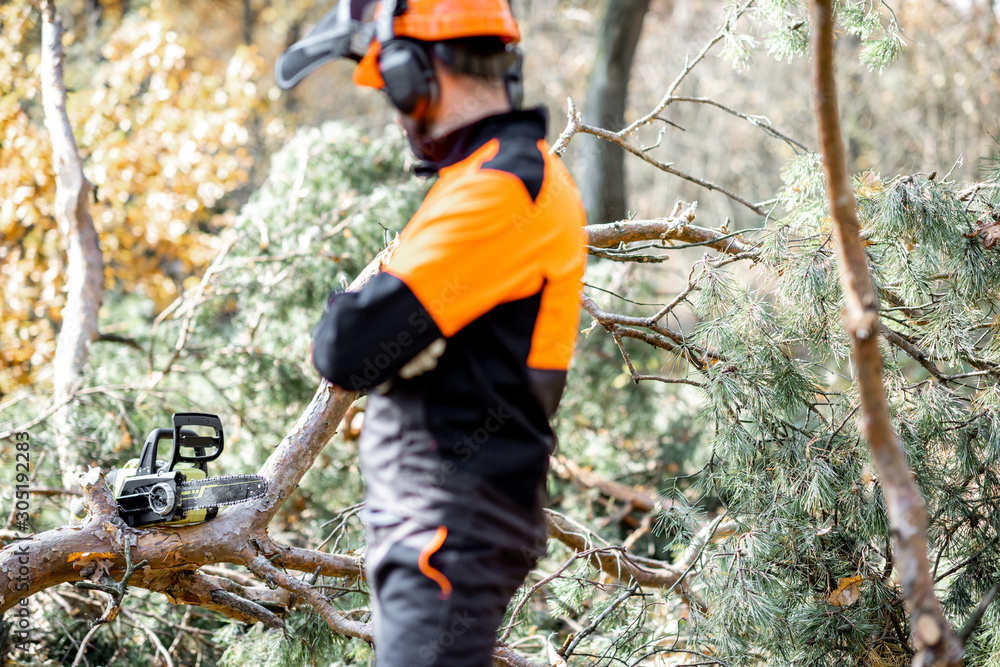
{"points": [[786, 32], [787, 460], [807, 576], [306, 641]]}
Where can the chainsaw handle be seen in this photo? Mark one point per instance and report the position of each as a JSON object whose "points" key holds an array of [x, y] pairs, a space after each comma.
{"points": [[147, 459], [206, 447]]}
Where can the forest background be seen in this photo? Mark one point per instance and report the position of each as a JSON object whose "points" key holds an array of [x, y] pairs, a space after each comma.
{"points": [[227, 211]]}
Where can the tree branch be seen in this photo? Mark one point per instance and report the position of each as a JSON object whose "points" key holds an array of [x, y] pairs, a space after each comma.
{"points": [[568, 469], [759, 121], [674, 228], [307, 560], [609, 559], [337, 621], [688, 66], [85, 270], [618, 138], [937, 643], [918, 355]]}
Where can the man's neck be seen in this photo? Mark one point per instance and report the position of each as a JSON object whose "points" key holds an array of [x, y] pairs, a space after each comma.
{"points": [[463, 105]]}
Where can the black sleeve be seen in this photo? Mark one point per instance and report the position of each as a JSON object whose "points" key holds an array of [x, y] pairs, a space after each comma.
{"points": [[365, 337], [547, 386]]}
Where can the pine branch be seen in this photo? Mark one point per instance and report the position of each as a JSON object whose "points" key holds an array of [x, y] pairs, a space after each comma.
{"points": [[337, 621], [596, 623], [915, 353], [610, 559], [676, 227], [248, 608], [568, 469], [977, 615]]}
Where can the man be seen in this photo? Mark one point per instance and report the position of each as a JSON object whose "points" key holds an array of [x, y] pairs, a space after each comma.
{"points": [[464, 339]]}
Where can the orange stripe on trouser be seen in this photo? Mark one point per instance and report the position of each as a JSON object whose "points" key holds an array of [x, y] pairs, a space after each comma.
{"points": [[425, 562]]}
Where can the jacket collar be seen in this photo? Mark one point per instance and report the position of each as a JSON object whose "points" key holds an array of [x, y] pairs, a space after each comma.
{"points": [[463, 142]]}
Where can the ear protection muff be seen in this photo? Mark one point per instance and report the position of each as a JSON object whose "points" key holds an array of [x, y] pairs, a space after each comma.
{"points": [[409, 76], [405, 66], [513, 79]]}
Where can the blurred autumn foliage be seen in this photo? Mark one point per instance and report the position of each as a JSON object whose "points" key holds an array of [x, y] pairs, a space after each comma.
{"points": [[164, 132]]}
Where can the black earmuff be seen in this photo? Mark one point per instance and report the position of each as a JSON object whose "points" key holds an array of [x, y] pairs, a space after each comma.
{"points": [[513, 79], [408, 73], [405, 66]]}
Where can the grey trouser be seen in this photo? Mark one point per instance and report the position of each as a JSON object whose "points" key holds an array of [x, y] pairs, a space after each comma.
{"points": [[442, 608], [446, 550]]}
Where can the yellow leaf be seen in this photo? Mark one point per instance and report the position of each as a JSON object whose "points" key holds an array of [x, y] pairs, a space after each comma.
{"points": [[847, 592], [89, 555], [871, 184]]}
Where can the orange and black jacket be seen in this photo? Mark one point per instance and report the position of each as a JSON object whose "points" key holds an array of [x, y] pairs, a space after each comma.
{"points": [[492, 261]]}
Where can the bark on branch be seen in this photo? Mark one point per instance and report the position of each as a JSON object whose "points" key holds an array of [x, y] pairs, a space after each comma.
{"points": [[611, 560], [674, 228], [937, 644], [636, 498]]}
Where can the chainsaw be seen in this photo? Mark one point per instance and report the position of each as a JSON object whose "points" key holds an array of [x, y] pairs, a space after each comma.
{"points": [[179, 491]]}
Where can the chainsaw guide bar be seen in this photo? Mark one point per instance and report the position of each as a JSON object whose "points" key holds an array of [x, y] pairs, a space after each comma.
{"points": [[225, 490]]}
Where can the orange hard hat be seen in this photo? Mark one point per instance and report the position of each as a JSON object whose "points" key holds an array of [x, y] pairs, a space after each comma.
{"points": [[439, 20]]}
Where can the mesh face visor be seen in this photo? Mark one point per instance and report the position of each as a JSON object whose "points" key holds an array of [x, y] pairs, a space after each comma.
{"points": [[346, 31]]}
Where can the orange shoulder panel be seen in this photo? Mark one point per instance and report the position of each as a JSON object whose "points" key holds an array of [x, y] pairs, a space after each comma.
{"points": [[559, 315], [461, 254], [479, 241]]}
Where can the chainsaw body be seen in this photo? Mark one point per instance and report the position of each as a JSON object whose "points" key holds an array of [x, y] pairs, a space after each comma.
{"points": [[178, 491], [148, 499]]}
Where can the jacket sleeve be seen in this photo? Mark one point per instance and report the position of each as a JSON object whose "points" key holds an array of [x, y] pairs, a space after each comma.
{"points": [[365, 337]]}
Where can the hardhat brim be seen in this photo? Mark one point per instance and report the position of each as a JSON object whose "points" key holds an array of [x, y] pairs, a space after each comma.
{"points": [[367, 74]]}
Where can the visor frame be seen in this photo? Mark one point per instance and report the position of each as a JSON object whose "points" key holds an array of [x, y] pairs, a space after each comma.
{"points": [[341, 33]]}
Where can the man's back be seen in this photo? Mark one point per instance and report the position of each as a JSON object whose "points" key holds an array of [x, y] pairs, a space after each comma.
{"points": [[495, 254], [455, 459]]}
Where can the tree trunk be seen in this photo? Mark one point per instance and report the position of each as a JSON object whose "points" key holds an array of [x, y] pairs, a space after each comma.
{"points": [[937, 644], [602, 184], [85, 272]]}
